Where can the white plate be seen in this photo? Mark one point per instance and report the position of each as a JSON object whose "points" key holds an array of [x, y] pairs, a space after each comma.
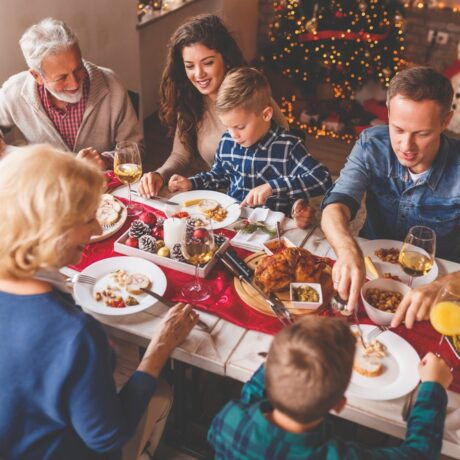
{"points": [[109, 231], [224, 200], [400, 376], [368, 248], [84, 293]]}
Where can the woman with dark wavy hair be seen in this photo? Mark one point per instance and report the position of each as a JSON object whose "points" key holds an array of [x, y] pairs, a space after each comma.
{"points": [[201, 51]]}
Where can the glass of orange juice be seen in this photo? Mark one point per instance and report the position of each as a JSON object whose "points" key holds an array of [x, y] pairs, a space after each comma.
{"points": [[445, 312]]}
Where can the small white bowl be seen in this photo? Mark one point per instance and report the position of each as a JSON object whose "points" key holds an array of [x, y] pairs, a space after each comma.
{"points": [[378, 316], [306, 305], [287, 243]]}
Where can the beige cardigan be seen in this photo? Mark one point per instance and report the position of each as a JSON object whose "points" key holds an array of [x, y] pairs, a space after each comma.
{"points": [[108, 118], [208, 136]]}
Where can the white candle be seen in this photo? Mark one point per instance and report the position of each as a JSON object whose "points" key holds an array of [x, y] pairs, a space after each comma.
{"points": [[174, 231]]}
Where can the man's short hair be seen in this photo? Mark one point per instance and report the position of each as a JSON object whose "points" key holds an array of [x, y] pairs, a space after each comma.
{"points": [[420, 84], [243, 88], [49, 36], [309, 367]]}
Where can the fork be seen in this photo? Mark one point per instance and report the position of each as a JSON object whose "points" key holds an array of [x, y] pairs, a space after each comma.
{"points": [[85, 279], [376, 332]]}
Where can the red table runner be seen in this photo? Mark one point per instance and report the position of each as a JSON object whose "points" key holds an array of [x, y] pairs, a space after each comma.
{"points": [[227, 304]]}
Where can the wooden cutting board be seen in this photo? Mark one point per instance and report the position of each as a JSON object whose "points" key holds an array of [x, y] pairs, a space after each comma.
{"points": [[249, 295]]}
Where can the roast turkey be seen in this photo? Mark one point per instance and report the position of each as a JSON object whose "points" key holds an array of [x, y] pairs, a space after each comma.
{"points": [[289, 265]]}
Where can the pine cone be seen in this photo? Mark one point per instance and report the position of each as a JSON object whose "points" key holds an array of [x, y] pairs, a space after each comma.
{"points": [[148, 243], [138, 228], [176, 253]]}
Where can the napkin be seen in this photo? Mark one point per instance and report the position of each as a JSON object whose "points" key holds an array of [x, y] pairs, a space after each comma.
{"points": [[254, 241]]}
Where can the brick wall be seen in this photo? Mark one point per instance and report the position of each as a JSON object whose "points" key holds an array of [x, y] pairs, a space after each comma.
{"points": [[418, 24]]}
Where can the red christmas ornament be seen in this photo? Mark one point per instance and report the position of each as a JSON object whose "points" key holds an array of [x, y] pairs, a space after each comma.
{"points": [[148, 218], [200, 234], [158, 233], [131, 241]]}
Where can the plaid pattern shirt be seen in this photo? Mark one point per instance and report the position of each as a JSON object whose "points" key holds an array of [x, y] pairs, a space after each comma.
{"points": [[279, 159], [67, 121], [241, 431]]}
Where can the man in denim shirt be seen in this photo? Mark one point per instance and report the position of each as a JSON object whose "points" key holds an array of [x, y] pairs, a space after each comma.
{"points": [[410, 173]]}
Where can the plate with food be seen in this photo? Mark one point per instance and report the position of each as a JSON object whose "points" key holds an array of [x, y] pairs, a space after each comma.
{"points": [[275, 273], [118, 287], [111, 215], [221, 209], [386, 369], [385, 254]]}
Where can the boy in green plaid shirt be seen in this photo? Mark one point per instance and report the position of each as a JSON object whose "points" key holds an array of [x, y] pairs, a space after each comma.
{"points": [[282, 410]]}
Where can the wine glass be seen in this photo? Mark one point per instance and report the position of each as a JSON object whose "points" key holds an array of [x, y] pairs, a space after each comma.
{"points": [[417, 253], [445, 312], [127, 166], [198, 247]]}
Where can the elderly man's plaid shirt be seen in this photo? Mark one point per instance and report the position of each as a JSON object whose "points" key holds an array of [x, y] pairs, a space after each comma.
{"points": [[278, 158], [67, 122], [242, 431]]}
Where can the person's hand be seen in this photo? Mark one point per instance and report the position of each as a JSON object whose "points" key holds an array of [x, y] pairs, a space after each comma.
{"points": [[348, 275], [179, 183], [92, 155], [257, 196], [175, 327], [150, 184], [2, 147], [434, 369], [302, 213], [416, 305]]}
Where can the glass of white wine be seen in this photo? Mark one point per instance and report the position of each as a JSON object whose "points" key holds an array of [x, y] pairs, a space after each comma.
{"points": [[198, 247], [127, 166], [418, 250]]}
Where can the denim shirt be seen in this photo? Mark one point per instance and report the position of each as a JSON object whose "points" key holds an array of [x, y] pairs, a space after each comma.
{"points": [[394, 203]]}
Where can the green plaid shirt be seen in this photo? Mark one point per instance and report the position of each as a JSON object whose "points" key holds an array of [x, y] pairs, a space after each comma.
{"points": [[241, 431]]}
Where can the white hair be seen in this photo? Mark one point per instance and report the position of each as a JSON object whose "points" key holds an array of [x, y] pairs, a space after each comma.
{"points": [[49, 36]]}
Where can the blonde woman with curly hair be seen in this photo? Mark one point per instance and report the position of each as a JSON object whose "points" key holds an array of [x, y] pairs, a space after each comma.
{"points": [[58, 397]]}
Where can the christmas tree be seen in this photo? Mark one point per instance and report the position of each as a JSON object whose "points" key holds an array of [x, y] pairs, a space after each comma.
{"points": [[340, 42]]}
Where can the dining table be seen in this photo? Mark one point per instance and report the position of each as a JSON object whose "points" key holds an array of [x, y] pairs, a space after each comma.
{"points": [[231, 348]]}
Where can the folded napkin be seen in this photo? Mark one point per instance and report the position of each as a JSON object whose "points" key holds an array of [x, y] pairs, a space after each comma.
{"points": [[254, 241]]}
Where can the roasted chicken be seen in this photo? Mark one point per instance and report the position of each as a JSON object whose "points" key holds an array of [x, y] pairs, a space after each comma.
{"points": [[274, 273]]}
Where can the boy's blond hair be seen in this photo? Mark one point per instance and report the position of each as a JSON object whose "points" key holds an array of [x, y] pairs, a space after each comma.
{"points": [[44, 193], [309, 367], [243, 88]]}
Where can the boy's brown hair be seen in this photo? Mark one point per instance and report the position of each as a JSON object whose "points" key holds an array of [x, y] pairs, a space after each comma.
{"points": [[243, 88], [309, 367], [420, 84]]}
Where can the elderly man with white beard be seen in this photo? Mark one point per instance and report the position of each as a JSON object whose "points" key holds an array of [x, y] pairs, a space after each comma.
{"points": [[64, 100]]}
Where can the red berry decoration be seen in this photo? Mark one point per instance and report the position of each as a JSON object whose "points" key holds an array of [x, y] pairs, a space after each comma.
{"points": [[158, 233], [200, 233], [148, 218], [133, 242]]}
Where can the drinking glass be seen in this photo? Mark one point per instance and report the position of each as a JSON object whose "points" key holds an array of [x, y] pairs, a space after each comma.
{"points": [[198, 247], [127, 166], [417, 253], [445, 312]]}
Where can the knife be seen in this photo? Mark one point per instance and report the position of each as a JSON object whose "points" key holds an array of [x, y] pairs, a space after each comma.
{"points": [[170, 304], [239, 263], [309, 233], [275, 304], [157, 198]]}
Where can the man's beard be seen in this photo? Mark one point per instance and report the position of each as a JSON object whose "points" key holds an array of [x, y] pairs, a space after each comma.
{"points": [[65, 97]]}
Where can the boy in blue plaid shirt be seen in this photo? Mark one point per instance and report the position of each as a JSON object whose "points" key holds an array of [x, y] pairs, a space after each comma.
{"points": [[259, 162], [282, 410]]}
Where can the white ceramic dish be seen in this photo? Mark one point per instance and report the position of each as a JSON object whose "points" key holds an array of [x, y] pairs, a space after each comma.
{"points": [[306, 305], [84, 293], [369, 247], [400, 375], [378, 316], [287, 243], [225, 201], [112, 229]]}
